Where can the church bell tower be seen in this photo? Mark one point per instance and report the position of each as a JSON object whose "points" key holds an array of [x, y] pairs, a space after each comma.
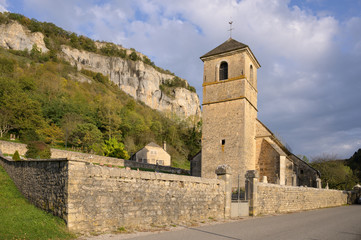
{"points": [[229, 110]]}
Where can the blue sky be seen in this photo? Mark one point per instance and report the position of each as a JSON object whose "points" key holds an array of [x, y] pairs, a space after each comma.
{"points": [[310, 52]]}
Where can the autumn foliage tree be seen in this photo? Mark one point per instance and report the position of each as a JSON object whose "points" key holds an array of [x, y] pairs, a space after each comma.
{"points": [[38, 150]]}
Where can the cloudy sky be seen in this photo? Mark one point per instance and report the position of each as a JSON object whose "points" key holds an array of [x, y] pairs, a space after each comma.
{"points": [[310, 52]]}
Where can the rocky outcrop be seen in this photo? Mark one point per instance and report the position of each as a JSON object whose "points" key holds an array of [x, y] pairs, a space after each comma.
{"points": [[139, 80], [15, 36]]}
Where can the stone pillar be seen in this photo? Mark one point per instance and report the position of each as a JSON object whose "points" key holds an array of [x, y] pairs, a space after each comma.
{"points": [[318, 181], [327, 187], [282, 170], [294, 179], [224, 173], [251, 191], [264, 179]]}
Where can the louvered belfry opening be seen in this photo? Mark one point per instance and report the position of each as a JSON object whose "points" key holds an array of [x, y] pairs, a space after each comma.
{"points": [[223, 71]]}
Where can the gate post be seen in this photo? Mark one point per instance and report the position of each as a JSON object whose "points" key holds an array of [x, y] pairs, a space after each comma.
{"points": [[251, 191], [224, 172], [318, 182], [294, 179]]}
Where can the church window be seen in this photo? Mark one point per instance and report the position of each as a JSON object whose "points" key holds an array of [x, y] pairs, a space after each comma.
{"points": [[251, 73], [223, 71]]}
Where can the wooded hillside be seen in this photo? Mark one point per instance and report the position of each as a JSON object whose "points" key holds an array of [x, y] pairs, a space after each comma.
{"points": [[44, 98]]}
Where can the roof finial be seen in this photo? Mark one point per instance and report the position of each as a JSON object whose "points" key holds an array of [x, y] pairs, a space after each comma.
{"points": [[230, 28]]}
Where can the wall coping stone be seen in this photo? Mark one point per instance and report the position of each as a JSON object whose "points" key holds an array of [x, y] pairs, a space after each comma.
{"points": [[120, 172], [297, 187], [33, 160], [223, 169]]}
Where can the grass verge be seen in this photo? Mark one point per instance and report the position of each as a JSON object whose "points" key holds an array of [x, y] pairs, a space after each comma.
{"points": [[21, 220]]}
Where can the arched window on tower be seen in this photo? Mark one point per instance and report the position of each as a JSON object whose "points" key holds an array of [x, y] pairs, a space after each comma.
{"points": [[251, 74], [223, 71]]}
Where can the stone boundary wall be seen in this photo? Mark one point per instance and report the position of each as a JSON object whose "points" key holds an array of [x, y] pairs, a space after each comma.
{"points": [[43, 182], [11, 147], [95, 198], [272, 198], [168, 169], [105, 198]]}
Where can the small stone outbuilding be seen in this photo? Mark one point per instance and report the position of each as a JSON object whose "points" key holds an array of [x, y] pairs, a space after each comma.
{"points": [[152, 153]]}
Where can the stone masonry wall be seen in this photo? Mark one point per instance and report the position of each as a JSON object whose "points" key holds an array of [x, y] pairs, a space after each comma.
{"points": [[93, 198], [43, 183], [272, 198], [11, 147], [268, 161], [104, 198]]}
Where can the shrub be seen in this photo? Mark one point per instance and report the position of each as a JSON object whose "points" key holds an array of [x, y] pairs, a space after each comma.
{"points": [[146, 60], [169, 85], [191, 88], [133, 56], [16, 156], [101, 78], [38, 150], [6, 65], [96, 76]]}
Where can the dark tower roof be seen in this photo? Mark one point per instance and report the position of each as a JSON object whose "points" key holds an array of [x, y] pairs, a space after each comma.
{"points": [[227, 46]]}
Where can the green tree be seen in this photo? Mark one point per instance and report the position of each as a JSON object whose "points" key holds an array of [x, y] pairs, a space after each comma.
{"points": [[109, 118], [157, 128], [22, 112], [85, 135], [69, 123], [354, 163], [334, 172], [113, 148], [51, 134], [38, 150], [193, 139], [5, 121]]}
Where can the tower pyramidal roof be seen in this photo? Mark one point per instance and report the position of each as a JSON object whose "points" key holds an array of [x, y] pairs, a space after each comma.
{"points": [[227, 46]]}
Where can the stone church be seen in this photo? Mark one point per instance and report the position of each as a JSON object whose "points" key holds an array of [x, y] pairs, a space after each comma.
{"points": [[232, 133]]}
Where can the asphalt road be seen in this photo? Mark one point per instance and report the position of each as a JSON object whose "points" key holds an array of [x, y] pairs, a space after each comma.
{"points": [[341, 223]]}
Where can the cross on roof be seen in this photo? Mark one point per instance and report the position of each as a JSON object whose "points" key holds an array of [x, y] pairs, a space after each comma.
{"points": [[230, 28]]}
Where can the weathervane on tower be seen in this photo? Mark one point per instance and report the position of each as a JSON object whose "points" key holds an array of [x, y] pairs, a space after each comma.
{"points": [[230, 28]]}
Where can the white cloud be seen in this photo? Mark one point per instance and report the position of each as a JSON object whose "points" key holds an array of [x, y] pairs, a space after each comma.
{"points": [[3, 6]]}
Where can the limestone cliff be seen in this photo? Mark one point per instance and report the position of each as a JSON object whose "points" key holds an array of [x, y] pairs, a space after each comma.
{"points": [[136, 78], [17, 37]]}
